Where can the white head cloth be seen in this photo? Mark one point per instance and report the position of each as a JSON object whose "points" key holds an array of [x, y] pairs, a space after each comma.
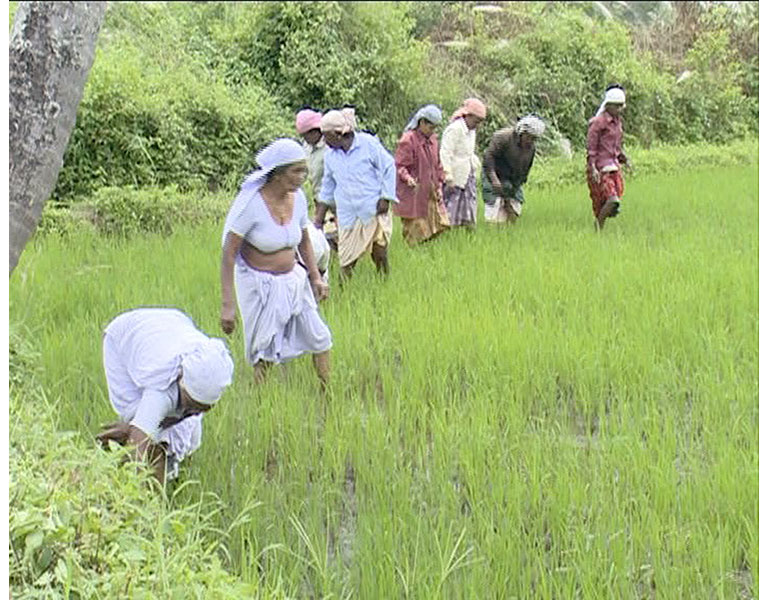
{"points": [[430, 113], [207, 370], [612, 96], [281, 152], [339, 121], [530, 124]]}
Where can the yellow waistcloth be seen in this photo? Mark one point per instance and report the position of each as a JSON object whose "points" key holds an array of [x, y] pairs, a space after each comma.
{"points": [[354, 242], [424, 228]]}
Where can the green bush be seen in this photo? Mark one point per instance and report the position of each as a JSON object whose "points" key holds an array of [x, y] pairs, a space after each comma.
{"points": [[127, 210], [151, 119], [327, 54], [711, 100], [556, 61], [185, 93], [62, 220], [124, 211]]}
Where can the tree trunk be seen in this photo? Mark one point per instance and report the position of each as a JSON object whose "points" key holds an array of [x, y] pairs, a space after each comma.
{"points": [[52, 48]]}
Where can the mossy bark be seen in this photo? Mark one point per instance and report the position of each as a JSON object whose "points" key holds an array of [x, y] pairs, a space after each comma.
{"points": [[52, 48]]}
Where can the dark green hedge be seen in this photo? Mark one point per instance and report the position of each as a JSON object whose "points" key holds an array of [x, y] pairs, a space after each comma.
{"points": [[185, 93]]}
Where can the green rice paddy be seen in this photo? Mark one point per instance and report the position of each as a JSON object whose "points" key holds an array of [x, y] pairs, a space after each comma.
{"points": [[527, 412]]}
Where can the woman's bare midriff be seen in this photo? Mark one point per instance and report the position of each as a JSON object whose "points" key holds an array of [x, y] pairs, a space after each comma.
{"points": [[281, 261]]}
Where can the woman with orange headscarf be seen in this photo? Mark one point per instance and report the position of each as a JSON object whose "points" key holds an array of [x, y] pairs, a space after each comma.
{"points": [[460, 163]]}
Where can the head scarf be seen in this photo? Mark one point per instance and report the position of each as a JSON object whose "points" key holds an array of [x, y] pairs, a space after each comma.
{"points": [[471, 106], [613, 96], [430, 113], [307, 119], [339, 121], [207, 370], [281, 152], [530, 124]]}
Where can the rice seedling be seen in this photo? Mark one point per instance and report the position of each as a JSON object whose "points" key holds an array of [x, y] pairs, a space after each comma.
{"points": [[527, 412]]}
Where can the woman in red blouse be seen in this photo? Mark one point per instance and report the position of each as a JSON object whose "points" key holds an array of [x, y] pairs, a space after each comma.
{"points": [[419, 178], [604, 152]]}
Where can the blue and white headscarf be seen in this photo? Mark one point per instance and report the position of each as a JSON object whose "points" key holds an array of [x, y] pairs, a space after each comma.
{"points": [[430, 113], [281, 152]]}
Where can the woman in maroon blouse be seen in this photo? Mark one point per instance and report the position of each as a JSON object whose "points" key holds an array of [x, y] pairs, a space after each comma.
{"points": [[419, 178], [604, 151]]}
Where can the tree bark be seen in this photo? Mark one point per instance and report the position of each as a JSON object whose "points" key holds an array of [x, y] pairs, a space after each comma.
{"points": [[52, 48]]}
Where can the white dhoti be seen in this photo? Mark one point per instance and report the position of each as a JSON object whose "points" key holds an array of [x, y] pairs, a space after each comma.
{"points": [[354, 242], [502, 209], [279, 313]]}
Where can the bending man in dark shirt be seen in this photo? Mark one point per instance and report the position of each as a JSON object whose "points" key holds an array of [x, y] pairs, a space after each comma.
{"points": [[506, 165]]}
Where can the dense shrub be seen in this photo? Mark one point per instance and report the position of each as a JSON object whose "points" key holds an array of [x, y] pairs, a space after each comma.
{"points": [[158, 120], [711, 99], [558, 62], [327, 54], [123, 211], [127, 210], [185, 93]]}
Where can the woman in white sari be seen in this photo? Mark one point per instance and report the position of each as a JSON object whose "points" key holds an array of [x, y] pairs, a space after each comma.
{"points": [[277, 294]]}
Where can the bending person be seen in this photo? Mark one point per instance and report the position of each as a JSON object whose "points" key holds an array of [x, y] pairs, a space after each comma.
{"points": [[419, 178], [460, 163], [506, 164], [360, 182], [277, 296], [163, 374]]}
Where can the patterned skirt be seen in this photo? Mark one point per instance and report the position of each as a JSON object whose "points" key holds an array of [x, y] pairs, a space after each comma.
{"points": [[416, 230], [462, 203], [610, 185]]}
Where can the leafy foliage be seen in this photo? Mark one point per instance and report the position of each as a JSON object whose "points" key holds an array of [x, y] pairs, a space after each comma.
{"points": [[127, 210], [153, 119], [185, 93], [556, 61], [328, 54]]}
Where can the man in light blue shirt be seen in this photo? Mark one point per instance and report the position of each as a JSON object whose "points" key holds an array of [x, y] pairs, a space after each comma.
{"points": [[359, 181]]}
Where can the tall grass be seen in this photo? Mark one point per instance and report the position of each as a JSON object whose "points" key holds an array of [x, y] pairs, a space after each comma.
{"points": [[531, 412]]}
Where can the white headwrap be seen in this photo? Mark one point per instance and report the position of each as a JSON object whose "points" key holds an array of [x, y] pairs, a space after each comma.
{"points": [[613, 96], [530, 124], [430, 113], [281, 152], [207, 370], [339, 121]]}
